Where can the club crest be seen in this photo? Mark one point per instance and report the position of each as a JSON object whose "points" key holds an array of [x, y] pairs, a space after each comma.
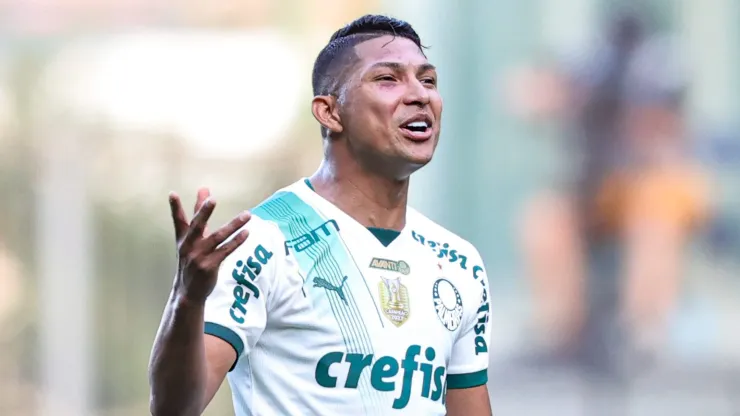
{"points": [[447, 304]]}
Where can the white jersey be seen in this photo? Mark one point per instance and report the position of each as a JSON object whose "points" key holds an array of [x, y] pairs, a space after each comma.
{"points": [[328, 319]]}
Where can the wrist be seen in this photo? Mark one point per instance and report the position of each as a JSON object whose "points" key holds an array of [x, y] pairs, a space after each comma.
{"points": [[183, 300]]}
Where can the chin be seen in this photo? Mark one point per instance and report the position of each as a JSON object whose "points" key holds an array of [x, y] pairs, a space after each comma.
{"points": [[414, 161], [420, 153], [408, 157], [419, 160]]}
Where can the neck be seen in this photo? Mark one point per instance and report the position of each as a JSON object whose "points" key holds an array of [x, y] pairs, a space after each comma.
{"points": [[369, 198]]}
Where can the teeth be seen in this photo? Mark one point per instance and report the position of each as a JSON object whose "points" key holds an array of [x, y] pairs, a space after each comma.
{"points": [[418, 124]]}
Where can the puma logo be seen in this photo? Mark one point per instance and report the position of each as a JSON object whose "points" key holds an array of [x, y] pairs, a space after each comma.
{"points": [[322, 283]]}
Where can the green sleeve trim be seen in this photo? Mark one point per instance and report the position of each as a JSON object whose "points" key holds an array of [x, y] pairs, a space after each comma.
{"points": [[466, 381], [228, 335]]}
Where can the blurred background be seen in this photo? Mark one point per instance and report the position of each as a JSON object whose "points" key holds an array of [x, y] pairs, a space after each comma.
{"points": [[591, 151]]}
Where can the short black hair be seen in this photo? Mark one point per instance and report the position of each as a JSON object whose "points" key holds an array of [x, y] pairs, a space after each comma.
{"points": [[333, 59]]}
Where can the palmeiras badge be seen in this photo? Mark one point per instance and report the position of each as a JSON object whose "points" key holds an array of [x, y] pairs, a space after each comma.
{"points": [[447, 303], [394, 300]]}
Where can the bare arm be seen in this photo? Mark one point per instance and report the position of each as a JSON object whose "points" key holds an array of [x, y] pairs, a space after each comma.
{"points": [[186, 366], [469, 402], [178, 389]]}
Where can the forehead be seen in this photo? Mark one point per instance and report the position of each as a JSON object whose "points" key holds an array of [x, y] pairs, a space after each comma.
{"points": [[389, 49]]}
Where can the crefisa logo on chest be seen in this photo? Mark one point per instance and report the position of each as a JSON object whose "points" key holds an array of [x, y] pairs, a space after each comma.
{"points": [[394, 296]]}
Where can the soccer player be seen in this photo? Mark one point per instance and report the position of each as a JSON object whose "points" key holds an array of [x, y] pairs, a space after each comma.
{"points": [[343, 300]]}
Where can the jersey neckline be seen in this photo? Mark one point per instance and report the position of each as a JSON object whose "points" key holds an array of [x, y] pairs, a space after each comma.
{"points": [[384, 235]]}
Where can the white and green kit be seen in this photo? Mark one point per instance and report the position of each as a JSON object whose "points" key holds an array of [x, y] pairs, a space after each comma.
{"points": [[329, 317]]}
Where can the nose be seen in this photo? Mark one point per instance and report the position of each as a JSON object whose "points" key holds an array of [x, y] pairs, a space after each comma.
{"points": [[416, 94]]}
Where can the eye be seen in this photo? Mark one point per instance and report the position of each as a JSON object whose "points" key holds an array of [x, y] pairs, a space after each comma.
{"points": [[429, 81], [385, 78]]}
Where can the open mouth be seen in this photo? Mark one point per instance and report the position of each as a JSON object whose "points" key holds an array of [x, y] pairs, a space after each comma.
{"points": [[417, 126], [417, 130]]}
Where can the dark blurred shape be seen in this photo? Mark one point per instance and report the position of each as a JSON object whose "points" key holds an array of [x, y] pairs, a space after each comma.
{"points": [[608, 281], [602, 78]]}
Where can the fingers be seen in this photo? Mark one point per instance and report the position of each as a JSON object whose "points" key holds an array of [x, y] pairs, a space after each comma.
{"points": [[200, 198], [222, 252], [198, 225], [227, 230], [180, 221], [192, 245], [203, 194]]}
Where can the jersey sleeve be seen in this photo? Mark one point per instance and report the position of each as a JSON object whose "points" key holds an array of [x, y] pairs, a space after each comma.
{"points": [[468, 366], [236, 311]]}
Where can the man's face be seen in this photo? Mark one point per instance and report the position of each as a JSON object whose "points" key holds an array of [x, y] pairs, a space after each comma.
{"points": [[391, 109]]}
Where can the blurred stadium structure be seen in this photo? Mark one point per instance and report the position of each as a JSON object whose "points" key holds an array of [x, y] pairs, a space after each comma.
{"points": [[557, 150]]}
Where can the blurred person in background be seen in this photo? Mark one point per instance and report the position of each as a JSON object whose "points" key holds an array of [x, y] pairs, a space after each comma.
{"points": [[659, 198], [312, 313], [605, 256]]}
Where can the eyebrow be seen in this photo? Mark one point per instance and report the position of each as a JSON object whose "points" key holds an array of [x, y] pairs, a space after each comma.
{"points": [[398, 66]]}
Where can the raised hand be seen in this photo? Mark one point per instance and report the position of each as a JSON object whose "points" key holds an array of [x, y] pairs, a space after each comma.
{"points": [[199, 255]]}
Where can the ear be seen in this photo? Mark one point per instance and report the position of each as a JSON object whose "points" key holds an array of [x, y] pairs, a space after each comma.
{"points": [[326, 111]]}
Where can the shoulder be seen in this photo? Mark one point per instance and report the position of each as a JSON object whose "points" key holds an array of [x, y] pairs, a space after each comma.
{"points": [[288, 205], [460, 264], [256, 263], [437, 237], [456, 255], [280, 207], [266, 239], [263, 237], [283, 216]]}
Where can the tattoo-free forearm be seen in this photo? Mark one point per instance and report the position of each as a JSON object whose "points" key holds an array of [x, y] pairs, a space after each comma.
{"points": [[177, 367]]}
